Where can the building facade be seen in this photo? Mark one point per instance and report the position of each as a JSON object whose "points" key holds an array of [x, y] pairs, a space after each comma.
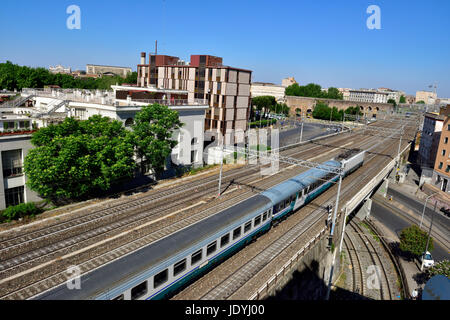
{"points": [[429, 139], [60, 69], [92, 69], [286, 82], [258, 89], [428, 97], [441, 173], [14, 148], [367, 95], [226, 89]]}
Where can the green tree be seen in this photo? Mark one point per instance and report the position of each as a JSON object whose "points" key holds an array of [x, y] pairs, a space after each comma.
{"points": [[334, 93], [321, 111], [421, 102], [392, 101], [413, 240], [76, 159], [402, 99], [152, 135]]}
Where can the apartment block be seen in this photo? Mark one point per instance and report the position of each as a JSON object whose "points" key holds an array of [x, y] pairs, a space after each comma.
{"points": [[226, 89], [441, 174], [430, 137], [92, 69]]}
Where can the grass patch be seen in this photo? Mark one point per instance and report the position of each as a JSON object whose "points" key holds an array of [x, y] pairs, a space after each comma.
{"points": [[377, 239]]}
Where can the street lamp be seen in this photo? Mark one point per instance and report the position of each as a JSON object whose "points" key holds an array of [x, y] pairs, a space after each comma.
{"points": [[428, 240], [424, 206]]}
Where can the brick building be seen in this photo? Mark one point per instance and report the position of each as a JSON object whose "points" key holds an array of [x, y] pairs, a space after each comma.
{"points": [[441, 174], [226, 89]]}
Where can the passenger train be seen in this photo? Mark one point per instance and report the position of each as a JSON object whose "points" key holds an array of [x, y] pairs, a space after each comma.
{"points": [[163, 267]]}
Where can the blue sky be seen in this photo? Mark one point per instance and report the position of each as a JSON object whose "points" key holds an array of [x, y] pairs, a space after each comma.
{"points": [[321, 41]]}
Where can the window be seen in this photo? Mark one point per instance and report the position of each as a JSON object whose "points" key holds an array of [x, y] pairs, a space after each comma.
{"points": [[448, 127], [447, 169], [264, 217], [446, 140], [160, 278], [257, 220], [139, 290], [443, 152], [236, 233], [224, 240], [211, 248], [179, 267], [14, 196], [121, 297], [247, 226], [196, 257], [8, 125], [440, 165], [12, 162]]}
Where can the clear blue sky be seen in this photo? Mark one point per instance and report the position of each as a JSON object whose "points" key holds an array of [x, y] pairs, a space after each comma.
{"points": [[325, 42]]}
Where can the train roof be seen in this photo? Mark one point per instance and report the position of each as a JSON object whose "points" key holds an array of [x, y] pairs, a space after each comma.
{"points": [[285, 189], [129, 266]]}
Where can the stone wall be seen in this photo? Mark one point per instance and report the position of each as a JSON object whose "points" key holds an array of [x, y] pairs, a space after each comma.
{"points": [[307, 105]]}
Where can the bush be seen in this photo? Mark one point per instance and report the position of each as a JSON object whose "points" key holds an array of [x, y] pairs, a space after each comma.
{"points": [[263, 123], [413, 240], [442, 268], [20, 211]]}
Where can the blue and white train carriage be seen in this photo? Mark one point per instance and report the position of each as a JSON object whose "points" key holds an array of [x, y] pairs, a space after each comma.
{"points": [[163, 267]]}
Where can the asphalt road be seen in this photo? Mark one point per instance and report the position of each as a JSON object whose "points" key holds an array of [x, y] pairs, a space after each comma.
{"points": [[310, 131], [396, 224]]}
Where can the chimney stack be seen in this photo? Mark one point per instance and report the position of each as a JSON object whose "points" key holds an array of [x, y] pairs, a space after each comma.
{"points": [[142, 57]]}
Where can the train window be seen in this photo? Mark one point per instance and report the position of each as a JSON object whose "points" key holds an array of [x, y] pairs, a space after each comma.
{"points": [[264, 217], [257, 220], [293, 198], [140, 290], [160, 278], [211, 248], [236, 233], [224, 240], [121, 297], [247, 226], [196, 257], [179, 267]]}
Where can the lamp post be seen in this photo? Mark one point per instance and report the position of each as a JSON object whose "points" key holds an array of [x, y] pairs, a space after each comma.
{"points": [[221, 166], [424, 206], [301, 133], [428, 240]]}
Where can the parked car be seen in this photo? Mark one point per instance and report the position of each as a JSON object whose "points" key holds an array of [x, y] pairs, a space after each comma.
{"points": [[446, 211], [427, 260]]}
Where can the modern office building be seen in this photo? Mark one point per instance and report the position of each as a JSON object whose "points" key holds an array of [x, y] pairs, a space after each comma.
{"points": [[226, 89]]}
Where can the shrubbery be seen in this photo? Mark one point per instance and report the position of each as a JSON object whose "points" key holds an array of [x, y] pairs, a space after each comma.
{"points": [[20, 211], [263, 123]]}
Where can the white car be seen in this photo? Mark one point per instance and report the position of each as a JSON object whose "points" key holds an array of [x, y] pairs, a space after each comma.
{"points": [[427, 260]]}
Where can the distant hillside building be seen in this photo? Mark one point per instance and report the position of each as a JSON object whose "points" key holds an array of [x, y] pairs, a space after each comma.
{"points": [[258, 89], [60, 69], [428, 97], [286, 82], [107, 70]]}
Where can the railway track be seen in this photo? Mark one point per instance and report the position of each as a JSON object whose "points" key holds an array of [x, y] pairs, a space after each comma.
{"points": [[48, 255], [381, 284], [227, 285]]}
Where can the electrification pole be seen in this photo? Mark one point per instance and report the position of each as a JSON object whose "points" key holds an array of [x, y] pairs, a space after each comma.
{"points": [[331, 236], [221, 167], [429, 233]]}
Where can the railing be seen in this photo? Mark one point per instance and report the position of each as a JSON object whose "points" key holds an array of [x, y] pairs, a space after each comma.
{"points": [[79, 95], [171, 102]]}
